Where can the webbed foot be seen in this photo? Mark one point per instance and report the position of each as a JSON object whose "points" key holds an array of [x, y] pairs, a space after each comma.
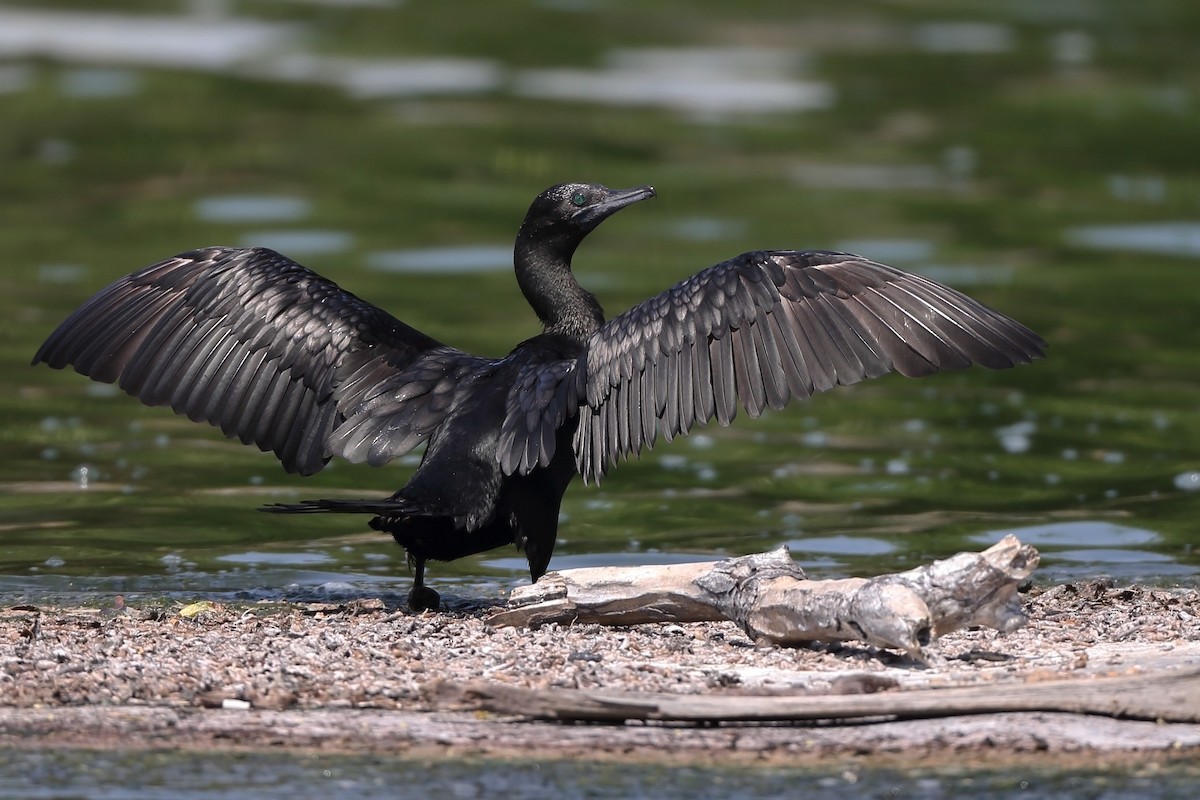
{"points": [[422, 598]]}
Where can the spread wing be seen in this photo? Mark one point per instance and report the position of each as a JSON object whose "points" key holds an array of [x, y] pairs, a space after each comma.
{"points": [[768, 326], [272, 353]]}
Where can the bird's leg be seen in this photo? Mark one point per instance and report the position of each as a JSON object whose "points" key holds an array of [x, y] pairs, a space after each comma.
{"points": [[421, 597]]}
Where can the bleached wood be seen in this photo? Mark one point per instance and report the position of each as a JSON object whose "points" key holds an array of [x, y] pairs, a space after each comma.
{"points": [[1167, 696], [768, 595]]}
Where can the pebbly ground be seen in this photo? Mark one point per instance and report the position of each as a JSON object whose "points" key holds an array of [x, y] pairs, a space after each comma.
{"points": [[367, 676]]}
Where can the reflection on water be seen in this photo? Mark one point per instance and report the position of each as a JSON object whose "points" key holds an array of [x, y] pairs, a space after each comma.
{"points": [[704, 82], [378, 78], [835, 556], [1018, 437], [252, 208], [897, 251], [1121, 558], [1093, 533], [1188, 481], [55, 151], [275, 558], [954, 173], [841, 546], [971, 38], [1084, 548], [161, 41], [964, 276], [1138, 188], [15, 78], [699, 81], [706, 229], [478, 258], [99, 83], [1072, 49], [300, 242], [61, 273], [211, 42], [869, 177], [269, 775], [1166, 238]]}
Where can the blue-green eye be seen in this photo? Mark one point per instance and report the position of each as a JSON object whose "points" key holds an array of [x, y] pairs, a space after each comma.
{"points": [[578, 198]]}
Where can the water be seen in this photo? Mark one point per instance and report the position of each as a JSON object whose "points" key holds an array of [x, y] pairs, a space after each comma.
{"points": [[252, 208], [163, 41], [869, 177], [15, 78], [99, 83], [300, 243], [891, 251], [459, 259], [99, 493], [38, 775], [1040, 156], [972, 38], [703, 82], [1172, 238]]}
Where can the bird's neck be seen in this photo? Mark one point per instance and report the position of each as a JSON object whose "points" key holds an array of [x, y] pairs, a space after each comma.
{"points": [[543, 268]]}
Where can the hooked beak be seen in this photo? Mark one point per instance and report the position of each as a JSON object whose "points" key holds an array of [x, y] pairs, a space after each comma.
{"points": [[619, 198]]}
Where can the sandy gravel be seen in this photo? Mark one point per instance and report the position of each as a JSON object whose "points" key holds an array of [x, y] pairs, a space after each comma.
{"points": [[364, 676]]}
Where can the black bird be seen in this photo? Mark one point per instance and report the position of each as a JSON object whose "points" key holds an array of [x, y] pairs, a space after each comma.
{"points": [[274, 354]]}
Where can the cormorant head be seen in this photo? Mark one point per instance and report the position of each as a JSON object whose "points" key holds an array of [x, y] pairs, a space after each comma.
{"points": [[570, 211]]}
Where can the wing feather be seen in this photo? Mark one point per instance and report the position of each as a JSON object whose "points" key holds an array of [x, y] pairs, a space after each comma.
{"points": [[249, 340], [704, 404], [720, 359], [770, 363], [764, 327], [676, 393], [649, 401], [747, 368]]}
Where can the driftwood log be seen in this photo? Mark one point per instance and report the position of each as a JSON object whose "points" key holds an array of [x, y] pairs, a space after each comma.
{"points": [[770, 597], [1165, 697]]}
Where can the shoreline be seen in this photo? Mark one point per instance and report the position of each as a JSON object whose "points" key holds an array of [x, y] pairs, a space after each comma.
{"points": [[364, 677]]}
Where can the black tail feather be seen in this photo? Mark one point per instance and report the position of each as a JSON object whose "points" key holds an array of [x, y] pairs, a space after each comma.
{"points": [[388, 506]]}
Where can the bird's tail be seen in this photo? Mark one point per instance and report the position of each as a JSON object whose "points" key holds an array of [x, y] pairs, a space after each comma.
{"points": [[383, 507]]}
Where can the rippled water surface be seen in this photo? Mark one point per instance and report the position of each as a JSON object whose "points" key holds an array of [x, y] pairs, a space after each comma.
{"points": [[1041, 156], [1041, 161], [261, 776]]}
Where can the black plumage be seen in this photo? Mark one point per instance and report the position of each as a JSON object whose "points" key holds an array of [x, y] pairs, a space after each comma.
{"points": [[279, 357]]}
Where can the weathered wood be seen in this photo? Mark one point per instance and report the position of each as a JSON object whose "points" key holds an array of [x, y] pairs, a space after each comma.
{"points": [[1169, 697], [768, 595]]}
